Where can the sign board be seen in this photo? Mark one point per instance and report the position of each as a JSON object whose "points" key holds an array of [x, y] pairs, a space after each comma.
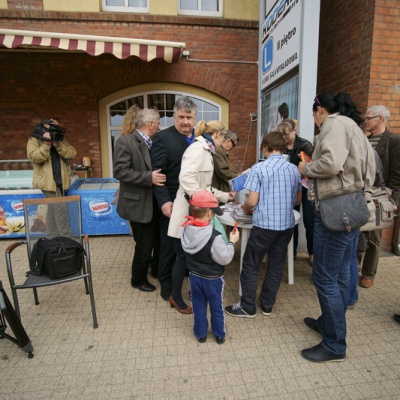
{"points": [[280, 40]]}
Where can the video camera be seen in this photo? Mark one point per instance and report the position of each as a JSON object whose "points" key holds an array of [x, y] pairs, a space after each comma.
{"points": [[56, 132]]}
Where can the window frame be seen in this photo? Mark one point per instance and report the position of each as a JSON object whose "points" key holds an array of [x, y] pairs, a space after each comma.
{"points": [[202, 13], [126, 8]]}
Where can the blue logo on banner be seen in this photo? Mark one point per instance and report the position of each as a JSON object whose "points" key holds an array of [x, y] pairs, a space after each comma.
{"points": [[267, 55]]}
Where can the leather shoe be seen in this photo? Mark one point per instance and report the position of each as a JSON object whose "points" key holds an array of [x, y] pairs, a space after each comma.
{"points": [[366, 282], [145, 287], [187, 310], [312, 324], [319, 354], [396, 317]]}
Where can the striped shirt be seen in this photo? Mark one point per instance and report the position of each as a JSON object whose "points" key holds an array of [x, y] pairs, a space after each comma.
{"points": [[374, 140], [277, 183]]}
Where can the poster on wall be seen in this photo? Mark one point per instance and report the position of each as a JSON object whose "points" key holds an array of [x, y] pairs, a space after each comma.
{"points": [[280, 43], [278, 104]]}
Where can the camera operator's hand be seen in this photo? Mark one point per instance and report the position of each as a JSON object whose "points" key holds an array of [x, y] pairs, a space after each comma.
{"points": [[47, 136], [55, 143]]}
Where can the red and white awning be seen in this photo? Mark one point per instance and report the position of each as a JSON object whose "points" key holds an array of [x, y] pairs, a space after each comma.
{"points": [[146, 50]]}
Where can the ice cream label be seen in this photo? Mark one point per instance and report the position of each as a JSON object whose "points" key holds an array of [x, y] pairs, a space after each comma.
{"points": [[99, 207]]}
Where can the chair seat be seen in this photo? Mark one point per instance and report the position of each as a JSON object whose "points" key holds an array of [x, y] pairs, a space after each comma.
{"points": [[44, 280]]}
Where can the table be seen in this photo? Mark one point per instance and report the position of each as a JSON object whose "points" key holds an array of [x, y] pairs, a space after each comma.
{"points": [[227, 219]]}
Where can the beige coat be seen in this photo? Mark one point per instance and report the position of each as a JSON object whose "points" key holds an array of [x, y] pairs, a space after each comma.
{"points": [[338, 160], [39, 156], [197, 169]]}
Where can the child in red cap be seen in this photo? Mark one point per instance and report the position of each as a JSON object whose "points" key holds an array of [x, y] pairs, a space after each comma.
{"points": [[206, 256]]}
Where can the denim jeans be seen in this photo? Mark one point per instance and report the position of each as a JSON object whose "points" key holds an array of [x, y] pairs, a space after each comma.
{"points": [[353, 296], [331, 277]]}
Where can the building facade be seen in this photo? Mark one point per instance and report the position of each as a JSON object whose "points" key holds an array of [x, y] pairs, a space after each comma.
{"points": [[159, 49]]}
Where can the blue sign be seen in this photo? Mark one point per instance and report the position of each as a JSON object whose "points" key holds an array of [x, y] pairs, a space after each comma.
{"points": [[267, 55]]}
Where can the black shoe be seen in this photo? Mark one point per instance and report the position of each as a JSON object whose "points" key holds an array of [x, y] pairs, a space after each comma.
{"points": [[266, 310], [238, 311], [220, 339], [312, 324], [145, 287], [396, 317], [165, 293], [319, 354], [202, 339]]}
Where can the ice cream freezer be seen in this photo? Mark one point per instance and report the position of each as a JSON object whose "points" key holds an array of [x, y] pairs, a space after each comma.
{"points": [[15, 186], [99, 215]]}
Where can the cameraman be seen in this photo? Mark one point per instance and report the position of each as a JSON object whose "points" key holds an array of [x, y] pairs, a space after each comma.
{"points": [[48, 152]]}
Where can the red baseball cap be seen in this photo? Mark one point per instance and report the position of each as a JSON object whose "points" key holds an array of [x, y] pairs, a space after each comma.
{"points": [[205, 199]]}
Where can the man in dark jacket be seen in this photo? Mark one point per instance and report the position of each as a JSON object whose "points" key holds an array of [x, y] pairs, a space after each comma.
{"points": [[132, 167], [387, 145], [166, 155]]}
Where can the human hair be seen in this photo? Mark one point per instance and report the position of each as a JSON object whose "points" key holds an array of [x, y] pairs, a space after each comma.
{"points": [[338, 103], [232, 136], [128, 124], [283, 110], [208, 127], [199, 212], [379, 110], [287, 126], [143, 117], [186, 104], [273, 141], [46, 120]]}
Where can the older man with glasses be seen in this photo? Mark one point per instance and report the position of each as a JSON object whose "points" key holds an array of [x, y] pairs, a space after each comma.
{"points": [[387, 145]]}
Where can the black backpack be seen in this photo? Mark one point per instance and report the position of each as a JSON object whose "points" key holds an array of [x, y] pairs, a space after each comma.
{"points": [[56, 258]]}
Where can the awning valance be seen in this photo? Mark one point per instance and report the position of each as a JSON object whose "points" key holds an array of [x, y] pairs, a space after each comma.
{"points": [[146, 50]]}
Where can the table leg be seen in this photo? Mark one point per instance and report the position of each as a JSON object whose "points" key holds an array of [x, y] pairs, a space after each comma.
{"points": [[244, 239], [290, 263]]}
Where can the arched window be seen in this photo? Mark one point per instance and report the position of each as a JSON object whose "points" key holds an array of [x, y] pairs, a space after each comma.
{"points": [[164, 102]]}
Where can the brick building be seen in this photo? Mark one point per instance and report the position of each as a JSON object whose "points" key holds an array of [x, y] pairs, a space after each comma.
{"points": [[358, 53]]}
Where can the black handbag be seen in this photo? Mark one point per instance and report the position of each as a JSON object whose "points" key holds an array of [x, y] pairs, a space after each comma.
{"points": [[57, 258]]}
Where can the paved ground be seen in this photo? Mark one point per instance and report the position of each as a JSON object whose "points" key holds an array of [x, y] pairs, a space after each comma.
{"points": [[143, 349]]}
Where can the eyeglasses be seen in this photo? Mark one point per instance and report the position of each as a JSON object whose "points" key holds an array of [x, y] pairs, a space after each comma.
{"points": [[369, 118], [316, 100], [233, 143]]}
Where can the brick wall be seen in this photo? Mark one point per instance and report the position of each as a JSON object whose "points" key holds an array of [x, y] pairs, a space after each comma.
{"points": [[69, 85], [359, 49], [25, 4]]}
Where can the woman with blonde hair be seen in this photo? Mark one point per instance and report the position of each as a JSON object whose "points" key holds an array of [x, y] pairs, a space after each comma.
{"points": [[196, 174], [128, 124]]}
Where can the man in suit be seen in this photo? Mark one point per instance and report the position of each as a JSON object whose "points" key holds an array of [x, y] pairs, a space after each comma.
{"points": [[132, 167], [387, 145], [166, 155]]}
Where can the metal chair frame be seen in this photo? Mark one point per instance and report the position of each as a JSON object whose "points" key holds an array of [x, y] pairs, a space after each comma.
{"points": [[34, 282]]}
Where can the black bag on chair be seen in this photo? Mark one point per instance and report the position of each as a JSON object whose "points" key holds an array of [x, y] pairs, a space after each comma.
{"points": [[56, 258]]}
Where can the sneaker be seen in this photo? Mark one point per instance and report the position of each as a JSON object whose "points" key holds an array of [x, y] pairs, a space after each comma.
{"points": [[366, 282], [319, 354], [202, 339], [238, 311], [266, 310], [220, 339]]}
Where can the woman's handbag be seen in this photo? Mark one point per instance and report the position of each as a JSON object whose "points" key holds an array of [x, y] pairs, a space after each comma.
{"points": [[346, 211], [380, 205]]}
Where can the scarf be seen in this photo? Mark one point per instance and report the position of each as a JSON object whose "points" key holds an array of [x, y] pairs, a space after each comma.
{"points": [[195, 222], [209, 141]]}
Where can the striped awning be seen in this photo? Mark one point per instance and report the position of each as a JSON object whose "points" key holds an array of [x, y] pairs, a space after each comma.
{"points": [[122, 48]]}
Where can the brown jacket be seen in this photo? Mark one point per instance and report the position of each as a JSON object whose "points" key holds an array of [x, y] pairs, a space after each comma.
{"points": [[39, 155]]}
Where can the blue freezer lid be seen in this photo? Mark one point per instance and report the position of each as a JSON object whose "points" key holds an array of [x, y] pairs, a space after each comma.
{"points": [[91, 184]]}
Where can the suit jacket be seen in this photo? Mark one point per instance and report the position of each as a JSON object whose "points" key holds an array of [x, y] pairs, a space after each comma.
{"points": [[388, 149], [166, 154], [132, 167]]}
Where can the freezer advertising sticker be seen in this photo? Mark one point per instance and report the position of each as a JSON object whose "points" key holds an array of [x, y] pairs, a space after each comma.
{"points": [[99, 207], [10, 223]]}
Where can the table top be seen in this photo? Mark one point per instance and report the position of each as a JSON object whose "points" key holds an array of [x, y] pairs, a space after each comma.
{"points": [[227, 219]]}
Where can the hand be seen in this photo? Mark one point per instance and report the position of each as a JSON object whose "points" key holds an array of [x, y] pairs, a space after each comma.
{"points": [[47, 136], [167, 209], [232, 195], [301, 166], [234, 235], [157, 178], [55, 143]]}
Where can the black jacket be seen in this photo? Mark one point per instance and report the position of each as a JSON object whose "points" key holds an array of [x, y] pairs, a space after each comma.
{"points": [[299, 145]]}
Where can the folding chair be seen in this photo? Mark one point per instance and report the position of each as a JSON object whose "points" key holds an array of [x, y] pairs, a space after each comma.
{"points": [[49, 218]]}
